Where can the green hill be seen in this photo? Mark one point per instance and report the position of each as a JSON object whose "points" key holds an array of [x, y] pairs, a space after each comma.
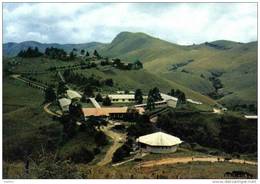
{"points": [[235, 62]]}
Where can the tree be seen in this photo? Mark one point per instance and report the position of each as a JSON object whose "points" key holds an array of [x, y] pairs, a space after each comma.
{"points": [[101, 139], [172, 93], [155, 93], [82, 155], [87, 54], [72, 56], [96, 54], [182, 98], [61, 88], [138, 64], [138, 96], [82, 52], [121, 152], [109, 82], [150, 103], [99, 97], [178, 94], [117, 62], [107, 101], [88, 91], [75, 110], [69, 126], [50, 94]]}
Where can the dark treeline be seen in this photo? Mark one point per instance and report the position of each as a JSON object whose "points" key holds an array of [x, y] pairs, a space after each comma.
{"points": [[82, 80], [82, 65], [129, 66], [178, 94], [30, 52], [55, 53], [178, 65]]}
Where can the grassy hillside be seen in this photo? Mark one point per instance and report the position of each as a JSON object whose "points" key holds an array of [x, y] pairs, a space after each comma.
{"points": [[134, 79], [235, 61]]}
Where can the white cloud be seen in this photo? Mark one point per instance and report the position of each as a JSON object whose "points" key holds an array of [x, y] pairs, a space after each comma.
{"points": [[183, 23]]}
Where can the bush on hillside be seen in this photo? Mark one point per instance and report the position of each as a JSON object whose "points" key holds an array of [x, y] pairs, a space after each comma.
{"points": [[81, 155], [121, 153], [101, 139]]}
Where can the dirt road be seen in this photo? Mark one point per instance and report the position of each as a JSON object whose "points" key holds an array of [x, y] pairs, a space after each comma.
{"points": [[47, 110], [118, 139], [190, 159], [25, 80]]}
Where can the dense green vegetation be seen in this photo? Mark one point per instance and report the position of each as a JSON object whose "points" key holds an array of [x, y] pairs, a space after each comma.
{"points": [[227, 133]]}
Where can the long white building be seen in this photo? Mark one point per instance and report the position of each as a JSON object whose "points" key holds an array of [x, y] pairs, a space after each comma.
{"points": [[123, 98], [130, 98]]}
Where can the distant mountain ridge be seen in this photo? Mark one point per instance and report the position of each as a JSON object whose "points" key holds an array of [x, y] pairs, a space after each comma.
{"points": [[12, 49], [123, 42]]}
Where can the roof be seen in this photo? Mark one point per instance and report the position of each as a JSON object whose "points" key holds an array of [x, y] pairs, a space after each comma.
{"points": [[73, 94], [251, 116], [94, 102], [64, 101], [107, 110], [103, 111], [168, 97], [122, 96], [193, 101], [159, 139]]}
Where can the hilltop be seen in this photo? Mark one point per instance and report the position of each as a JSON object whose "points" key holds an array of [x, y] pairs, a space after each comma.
{"points": [[233, 64]]}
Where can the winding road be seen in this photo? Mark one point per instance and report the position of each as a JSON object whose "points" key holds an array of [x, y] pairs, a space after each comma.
{"points": [[118, 140], [25, 80], [176, 160], [47, 110]]}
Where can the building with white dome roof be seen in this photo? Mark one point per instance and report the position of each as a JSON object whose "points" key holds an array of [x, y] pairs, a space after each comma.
{"points": [[158, 142]]}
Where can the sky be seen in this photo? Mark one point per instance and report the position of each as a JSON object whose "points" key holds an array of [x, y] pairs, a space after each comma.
{"points": [[181, 23]]}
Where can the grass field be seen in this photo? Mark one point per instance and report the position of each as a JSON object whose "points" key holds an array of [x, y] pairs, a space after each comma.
{"points": [[134, 79]]}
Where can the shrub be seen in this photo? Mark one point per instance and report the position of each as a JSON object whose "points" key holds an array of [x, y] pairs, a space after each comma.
{"points": [[121, 153], [107, 101], [101, 139], [96, 151], [82, 155]]}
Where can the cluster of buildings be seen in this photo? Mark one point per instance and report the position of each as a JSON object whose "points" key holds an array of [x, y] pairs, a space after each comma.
{"points": [[115, 112], [158, 142]]}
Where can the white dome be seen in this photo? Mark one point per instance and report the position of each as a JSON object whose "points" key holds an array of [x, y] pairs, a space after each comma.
{"points": [[159, 139]]}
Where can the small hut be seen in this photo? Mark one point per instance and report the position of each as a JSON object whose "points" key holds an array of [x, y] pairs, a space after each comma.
{"points": [[159, 142]]}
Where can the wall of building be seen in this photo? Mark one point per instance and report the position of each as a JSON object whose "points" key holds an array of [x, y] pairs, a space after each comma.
{"points": [[172, 103], [160, 149], [122, 100]]}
